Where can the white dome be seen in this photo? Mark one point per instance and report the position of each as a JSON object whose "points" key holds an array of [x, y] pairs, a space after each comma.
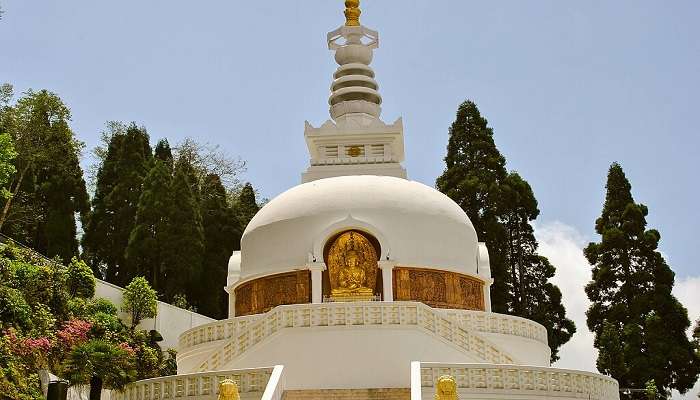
{"points": [[415, 225]]}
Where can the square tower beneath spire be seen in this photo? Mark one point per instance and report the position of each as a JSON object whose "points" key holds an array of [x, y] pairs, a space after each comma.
{"points": [[352, 148]]}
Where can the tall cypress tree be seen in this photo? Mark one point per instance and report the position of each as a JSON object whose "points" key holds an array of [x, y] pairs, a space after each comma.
{"points": [[221, 232], [184, 238], [501, 207], [118, 189], [640, 327], [146, 251]]}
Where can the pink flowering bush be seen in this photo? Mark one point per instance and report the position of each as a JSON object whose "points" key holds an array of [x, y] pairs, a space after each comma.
{"points": [[73, 333], [126, 347]]}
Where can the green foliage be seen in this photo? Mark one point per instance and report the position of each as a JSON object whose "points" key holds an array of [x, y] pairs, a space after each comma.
{"points": [[222, 231], [44, 327], [48, 186], [245, 206], [184, 237], [640, 326], [17, 380], [14, 310], [146, 253], [119, 183], [100, 364], [140, 300], [651, 390], [80, 279], [7, 169], [502, 207]]}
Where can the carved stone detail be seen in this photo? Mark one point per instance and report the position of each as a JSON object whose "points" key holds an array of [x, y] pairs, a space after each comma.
{"points": [[439, 289], [262, 294]]}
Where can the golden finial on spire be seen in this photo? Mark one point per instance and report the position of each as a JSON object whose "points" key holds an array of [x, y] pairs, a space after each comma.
{"points": [[352, 12]]}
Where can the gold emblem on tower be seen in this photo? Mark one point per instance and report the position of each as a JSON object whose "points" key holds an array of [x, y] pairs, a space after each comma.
{"points": [[352, 13], [352, 267]]}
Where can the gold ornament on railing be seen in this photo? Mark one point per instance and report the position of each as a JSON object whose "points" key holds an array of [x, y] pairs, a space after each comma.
{"points": [[446, 388], [352, 12], [228, 390]]}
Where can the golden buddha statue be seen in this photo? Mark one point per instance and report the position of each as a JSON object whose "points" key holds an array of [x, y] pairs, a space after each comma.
{"points": [[446, 388], [228, 390], [352, 279], [352, 264]]}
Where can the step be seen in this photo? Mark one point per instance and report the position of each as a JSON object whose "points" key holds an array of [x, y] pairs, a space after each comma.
{"points": [[348, 394]]}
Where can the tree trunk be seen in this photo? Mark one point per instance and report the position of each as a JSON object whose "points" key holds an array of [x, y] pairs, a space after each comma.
{"points": [[95, 388], [6, 208]]}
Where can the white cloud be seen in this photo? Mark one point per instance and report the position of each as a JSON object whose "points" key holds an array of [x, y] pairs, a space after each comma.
{"points": [[563, 245]]}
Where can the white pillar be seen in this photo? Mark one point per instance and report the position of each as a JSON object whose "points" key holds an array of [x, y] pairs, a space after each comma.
{"points": [[387, 268], [316, 281], [487, 294]]}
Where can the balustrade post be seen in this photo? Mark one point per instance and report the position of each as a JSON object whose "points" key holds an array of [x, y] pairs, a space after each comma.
{"points": [[316, 269], [387, 268]]}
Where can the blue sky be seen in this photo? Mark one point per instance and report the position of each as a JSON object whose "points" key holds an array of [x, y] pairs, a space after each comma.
{"points": [[568, 87]]}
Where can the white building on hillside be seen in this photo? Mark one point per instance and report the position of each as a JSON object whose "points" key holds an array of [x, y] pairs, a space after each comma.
{"points": [[359, 283]]}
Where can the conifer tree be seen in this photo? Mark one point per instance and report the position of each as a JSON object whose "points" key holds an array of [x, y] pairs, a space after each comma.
{"points": [[474, 170], [47, 189], [529, 292], [118, 189], [146, 250], [184, 238], [221, 232], [640, 327], [245, 206], [163, 152], [501, 207]]}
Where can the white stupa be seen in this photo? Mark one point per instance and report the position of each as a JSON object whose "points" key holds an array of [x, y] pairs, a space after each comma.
{"points": [[359, 283]]}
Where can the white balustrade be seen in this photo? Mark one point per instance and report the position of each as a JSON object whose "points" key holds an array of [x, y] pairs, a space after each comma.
{"points": [[475, 321], [512, 381], [256, 383], [352, 313], [480, 321]]}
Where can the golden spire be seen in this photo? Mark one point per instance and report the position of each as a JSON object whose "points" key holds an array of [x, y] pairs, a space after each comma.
{"points": [[352, 12]]}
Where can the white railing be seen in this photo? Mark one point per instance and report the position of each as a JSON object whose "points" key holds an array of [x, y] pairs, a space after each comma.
{"points": [[475, 321], [254, 383], [219, 330], [376, 314], [512, 381], [480, 321]]}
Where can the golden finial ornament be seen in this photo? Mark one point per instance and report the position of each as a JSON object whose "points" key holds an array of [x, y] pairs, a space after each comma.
{"points": [[228, 390], [352, 12], [446, 388]]}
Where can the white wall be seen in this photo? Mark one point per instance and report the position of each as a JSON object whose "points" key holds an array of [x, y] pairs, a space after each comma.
{"points": [[349, 357], [171, 321]]}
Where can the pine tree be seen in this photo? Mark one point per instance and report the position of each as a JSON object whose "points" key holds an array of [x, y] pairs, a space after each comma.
{"points": [[640, 327], [118, 189], [245, 207], [184, 238], [501, 207], [221, 232], [145, 253]]}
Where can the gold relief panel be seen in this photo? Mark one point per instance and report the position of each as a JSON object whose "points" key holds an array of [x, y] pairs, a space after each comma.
{"points": [[262, 294], [439, 289]]}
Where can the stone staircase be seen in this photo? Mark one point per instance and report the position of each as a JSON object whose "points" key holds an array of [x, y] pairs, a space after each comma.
{"points": [[348, 394], [376, 314]]}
